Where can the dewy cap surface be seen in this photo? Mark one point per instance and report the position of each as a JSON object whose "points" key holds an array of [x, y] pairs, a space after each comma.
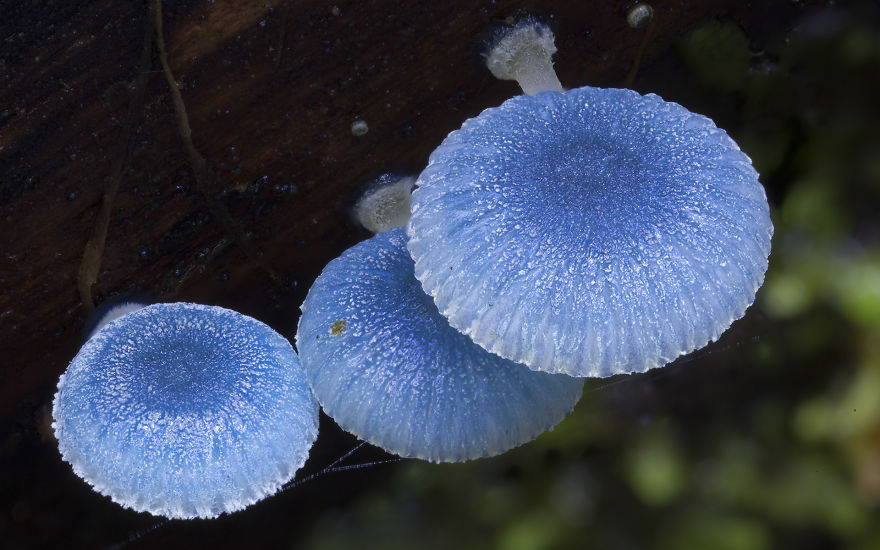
{"points": [[185, 410], [386, 366], [591, 232]]}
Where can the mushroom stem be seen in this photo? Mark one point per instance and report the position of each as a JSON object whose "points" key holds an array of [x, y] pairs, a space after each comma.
{"points": [[385, 203], [538, 76], [113, 312], [523, 52]]}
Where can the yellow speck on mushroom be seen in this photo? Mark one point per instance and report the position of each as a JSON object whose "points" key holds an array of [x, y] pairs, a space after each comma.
{"points": [[337, 327]]}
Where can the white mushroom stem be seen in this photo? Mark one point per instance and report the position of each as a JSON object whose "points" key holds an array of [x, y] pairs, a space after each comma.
{"points": [[524, 53], [114, 313], [385, 203]]}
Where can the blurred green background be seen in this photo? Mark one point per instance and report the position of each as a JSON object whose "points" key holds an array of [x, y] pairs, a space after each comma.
{"points": [[769, 438]]}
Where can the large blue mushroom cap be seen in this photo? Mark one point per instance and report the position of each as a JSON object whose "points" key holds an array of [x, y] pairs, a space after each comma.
{"points": [[184, 410], [387, 366], [591, 232]]}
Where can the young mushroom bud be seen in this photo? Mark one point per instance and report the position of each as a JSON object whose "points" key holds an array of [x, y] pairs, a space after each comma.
{"points": [[523, 52], [385, 203], [639, 15]]}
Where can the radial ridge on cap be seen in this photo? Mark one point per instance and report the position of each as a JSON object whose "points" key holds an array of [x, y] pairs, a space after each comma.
{"points": [[387, 367], [185, 410], [591, 232]]}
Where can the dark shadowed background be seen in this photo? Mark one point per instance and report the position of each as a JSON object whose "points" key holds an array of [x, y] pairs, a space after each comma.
{"points": [[769, 438]]}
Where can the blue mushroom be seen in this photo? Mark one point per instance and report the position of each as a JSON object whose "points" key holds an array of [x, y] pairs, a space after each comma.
{"points": [[185, 410], [387, 366], [590, 232]]}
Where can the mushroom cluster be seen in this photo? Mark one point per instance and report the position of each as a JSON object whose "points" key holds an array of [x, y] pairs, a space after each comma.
{"points": [[588, 232], [563, 234]]}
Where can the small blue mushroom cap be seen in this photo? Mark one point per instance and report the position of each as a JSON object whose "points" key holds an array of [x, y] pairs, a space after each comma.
{"points": [[591, 232], [185, 410], [387, 367]]}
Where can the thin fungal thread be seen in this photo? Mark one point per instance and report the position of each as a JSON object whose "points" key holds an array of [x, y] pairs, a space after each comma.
{"points": [[197, 162], [138, 534], [657, 374], [631, 76], [333, 468], [90, 265], [364, 465], [281, 35], [346, 455]]}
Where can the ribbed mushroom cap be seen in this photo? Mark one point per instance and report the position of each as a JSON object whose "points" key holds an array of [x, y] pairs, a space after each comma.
{"points": [[387, 367], [591, 232], [184, 410]]}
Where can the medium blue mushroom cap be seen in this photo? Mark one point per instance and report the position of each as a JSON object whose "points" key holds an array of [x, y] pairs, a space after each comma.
{"points": [[185, 410], [591, 232], [388, 368]]}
